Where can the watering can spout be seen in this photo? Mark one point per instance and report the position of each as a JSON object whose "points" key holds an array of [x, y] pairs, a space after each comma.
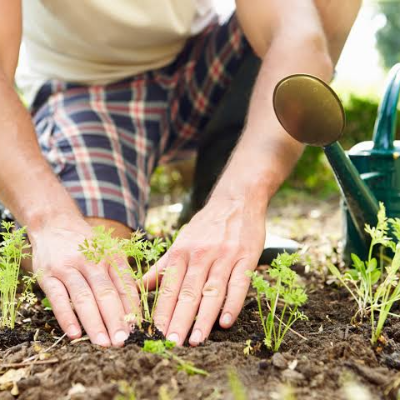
{"points": [[311, 112]]}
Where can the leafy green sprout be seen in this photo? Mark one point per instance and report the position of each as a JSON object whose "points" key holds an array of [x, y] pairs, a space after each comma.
{"points": [[46, 304], [103, 247], [375, 287], [236, 386], [13, 249], [126, 391], [145, 253], [164, 349], [248, 348], [283, 297]]}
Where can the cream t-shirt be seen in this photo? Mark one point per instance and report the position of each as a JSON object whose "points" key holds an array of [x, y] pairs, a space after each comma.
{"points": [[101, 41]]}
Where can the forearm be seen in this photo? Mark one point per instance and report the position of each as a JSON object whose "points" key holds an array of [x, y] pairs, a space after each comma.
{"points": [[266, 154], [28, 186]]}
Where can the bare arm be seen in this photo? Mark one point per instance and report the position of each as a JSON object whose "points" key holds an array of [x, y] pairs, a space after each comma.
{"points": [[291, 37], [226, 237], [55, 226], [27, 182]]}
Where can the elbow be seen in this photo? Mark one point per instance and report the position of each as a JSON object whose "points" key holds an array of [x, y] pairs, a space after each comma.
{"points": [[317, 44], [308, 47]]}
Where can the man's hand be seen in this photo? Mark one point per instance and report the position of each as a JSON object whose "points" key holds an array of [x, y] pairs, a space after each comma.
{"points": [[96, 292], [207, 263], [211, 255]]}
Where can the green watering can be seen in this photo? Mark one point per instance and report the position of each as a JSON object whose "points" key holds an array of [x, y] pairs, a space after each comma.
{"points": [[311, 112]]}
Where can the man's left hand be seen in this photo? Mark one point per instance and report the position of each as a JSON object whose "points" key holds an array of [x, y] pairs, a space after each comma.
{"points": [[206, 264]]}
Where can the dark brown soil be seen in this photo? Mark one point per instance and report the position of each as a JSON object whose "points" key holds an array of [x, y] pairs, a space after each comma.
{"points": [[148, 332], [327, 358]]}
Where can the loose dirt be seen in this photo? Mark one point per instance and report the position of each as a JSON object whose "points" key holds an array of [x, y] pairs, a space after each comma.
{"points": [[325, 358]]}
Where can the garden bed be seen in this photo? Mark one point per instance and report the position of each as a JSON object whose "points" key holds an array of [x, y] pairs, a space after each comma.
{"points": [[325, 358]]}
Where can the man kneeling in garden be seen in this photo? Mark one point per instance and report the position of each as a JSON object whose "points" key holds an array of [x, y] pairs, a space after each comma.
{"points": [[114, 89]]}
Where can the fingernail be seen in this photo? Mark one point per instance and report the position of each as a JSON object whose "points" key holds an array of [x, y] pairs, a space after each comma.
{"points": [[196, 337], [120, 337], [73, 331], [102, 340], [173, 337], [226, 319]]}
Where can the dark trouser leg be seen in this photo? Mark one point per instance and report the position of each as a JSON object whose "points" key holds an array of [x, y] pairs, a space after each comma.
{"points": [[221, 135]]}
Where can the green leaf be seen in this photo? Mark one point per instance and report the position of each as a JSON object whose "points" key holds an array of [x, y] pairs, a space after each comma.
{"points": [[395, 224], [352, 274], [190, 369], [357, 263], [375, 275], [372, 265], [46, 304], [334, 271], [154, 347], [169, 345]]}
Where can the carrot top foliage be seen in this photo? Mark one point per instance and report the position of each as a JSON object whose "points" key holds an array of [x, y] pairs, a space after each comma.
{"points": [[13, 249], [283, 296]]}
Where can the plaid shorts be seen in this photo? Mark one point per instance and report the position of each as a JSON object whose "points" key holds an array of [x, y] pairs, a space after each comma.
{"points": [[104, 141]]}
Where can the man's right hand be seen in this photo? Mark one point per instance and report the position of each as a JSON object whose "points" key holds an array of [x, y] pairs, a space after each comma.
{"points": [[30, 190], [95, 291]]}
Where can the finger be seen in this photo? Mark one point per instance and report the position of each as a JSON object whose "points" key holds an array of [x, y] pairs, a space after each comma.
{"points": [[153, 276], [86, 307], [109, 303], [188, 302], [126, 287], [61, 306], [169, 290], [237, 290], [213, 296]]}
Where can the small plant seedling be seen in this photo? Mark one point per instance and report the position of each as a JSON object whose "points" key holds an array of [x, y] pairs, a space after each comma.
{"points": [[165, 394], [236, 385], [163, 348], [103, 247], [145, 253], [126, 391], [248, 349], [284, 296], [13, 249], [373, 286], [46, 304]]}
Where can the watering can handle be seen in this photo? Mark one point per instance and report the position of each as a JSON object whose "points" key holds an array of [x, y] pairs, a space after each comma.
{"points": [[385, 125]]}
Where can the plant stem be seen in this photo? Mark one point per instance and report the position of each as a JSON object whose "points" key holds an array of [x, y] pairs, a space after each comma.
{"points": [[371, 299], [263, 322]]}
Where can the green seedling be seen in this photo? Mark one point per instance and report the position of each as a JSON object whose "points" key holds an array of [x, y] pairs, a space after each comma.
{"points": [[164, 349], [374, 286], [165, 394], [46, 304], [144, 253], [237, 388], [126, 391], [103, 247], [283, 296], [13, 249], [248, 348]]}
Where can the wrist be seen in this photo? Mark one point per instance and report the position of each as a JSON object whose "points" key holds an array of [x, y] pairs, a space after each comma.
{"points": [[38, 219], [253, 191], [250, 179]]}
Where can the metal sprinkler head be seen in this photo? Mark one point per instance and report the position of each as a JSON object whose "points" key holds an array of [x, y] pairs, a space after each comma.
{"points": [[309, 110]]}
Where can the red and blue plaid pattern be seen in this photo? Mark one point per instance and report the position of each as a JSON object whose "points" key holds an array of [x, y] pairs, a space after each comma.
{"points": [[104, 141]]}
